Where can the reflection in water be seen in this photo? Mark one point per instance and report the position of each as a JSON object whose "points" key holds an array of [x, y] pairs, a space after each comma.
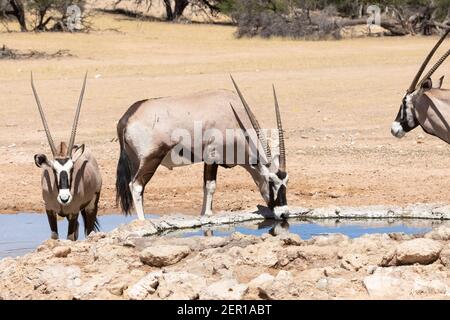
{"points": [[307, 228], [22, 233]]}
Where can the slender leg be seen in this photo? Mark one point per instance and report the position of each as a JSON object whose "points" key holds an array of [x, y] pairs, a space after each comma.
{"points": [[209, 187], [72, 233], [52, 221], [142, 177], [90, 215]]}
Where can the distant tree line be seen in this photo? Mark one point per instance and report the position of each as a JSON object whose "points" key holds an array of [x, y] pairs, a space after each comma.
{"points": [[266, 18]]}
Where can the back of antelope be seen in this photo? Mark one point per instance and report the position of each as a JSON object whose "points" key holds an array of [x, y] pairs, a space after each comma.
{"points": [[148, 139], [71, 180]]}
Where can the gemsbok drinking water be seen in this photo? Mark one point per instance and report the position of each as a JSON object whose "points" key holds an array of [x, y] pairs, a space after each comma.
{"points": [[425, 104], [71, 180], [169, 131]]}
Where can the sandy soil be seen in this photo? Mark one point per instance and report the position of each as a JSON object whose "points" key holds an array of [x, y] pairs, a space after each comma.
{"points": [[338, 99]]}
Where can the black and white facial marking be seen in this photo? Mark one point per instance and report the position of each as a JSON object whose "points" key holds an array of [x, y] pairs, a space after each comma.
{"points": [[63, 169], [277, 194], [405, 120]]}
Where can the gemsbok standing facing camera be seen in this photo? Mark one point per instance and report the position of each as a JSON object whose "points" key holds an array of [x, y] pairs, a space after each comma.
{"points": [[154, 132], [425, 104], [71, 181]]}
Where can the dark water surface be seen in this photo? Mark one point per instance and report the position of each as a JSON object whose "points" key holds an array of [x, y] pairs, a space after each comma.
{"points": [[22, 233]]}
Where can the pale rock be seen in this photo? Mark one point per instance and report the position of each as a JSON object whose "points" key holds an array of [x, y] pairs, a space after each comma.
{"points": [[226, 289], [180, 286], [423, 251], [260, 281], [445, 256], [291, 239], [117, 288], [92, 287], [61, 252], [164, 255], [440, 233], [144, 287], [262, 254], [322, 284], [429, 287], [329, 240], [282, 287], [380, 285], [58, 277], [353, 262]]}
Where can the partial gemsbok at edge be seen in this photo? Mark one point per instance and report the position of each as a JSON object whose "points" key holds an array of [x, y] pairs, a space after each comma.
{"points": [[71, 181], [425, 104], [147, 139]]}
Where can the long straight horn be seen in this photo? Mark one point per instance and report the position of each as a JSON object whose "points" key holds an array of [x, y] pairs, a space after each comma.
{"points": [[280, 133], [77, 116], [413, 85], [255, 123], [44, 121], [436, 66]]}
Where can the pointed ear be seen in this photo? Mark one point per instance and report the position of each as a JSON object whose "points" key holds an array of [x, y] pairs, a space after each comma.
{"points": [[427, 84], [41, 161], [77, 153]]}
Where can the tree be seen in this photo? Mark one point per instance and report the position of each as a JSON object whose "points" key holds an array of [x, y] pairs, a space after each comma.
{"points": [[16, 9], [52, 14], [175, 8]]}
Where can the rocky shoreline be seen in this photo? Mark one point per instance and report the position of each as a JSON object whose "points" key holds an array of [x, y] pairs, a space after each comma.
{"points": [[136, 261]]}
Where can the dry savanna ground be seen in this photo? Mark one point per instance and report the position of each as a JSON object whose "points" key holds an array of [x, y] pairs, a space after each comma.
{"points": [[338, 100]]}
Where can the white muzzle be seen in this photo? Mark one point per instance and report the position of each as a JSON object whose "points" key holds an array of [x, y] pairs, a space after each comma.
{"points": [[281, 213], [397, 130], [64, 197]]}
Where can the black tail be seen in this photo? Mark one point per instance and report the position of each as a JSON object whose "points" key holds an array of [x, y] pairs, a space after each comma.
{"points": [[123, 179], [96, 224]]}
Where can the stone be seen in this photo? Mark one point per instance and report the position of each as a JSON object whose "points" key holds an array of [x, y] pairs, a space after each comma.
{"points": [[282, 287], [441, 233], [353, 262], [58, 277], [147, 285], [445, 256], [423, 251], [429, 287], [380, 285], [61, 252], [260, 281], [180, 286], [117, 288], [291, 239], [226, 289], [163, 255]]}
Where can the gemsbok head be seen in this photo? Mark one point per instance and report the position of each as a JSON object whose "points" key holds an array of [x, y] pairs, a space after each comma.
{"points": [[425, 104], [71, 180], [215, 127]]}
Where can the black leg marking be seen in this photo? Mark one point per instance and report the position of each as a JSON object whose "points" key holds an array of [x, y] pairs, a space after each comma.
{"points": [[72, 233], [53, 222]]}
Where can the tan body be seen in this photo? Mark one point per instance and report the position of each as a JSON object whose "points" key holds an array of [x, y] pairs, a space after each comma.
{"points": [[426, 104], [86, 186], [166, 114], [432, 110], [71, 180], [148, 134]]}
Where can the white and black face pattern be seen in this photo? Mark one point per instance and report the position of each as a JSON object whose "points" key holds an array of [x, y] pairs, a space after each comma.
{"points": [[277, 194], [405, 120], [63, 169]]}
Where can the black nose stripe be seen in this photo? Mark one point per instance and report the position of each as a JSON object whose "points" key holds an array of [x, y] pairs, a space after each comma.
{"points": [[63, 180]]}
